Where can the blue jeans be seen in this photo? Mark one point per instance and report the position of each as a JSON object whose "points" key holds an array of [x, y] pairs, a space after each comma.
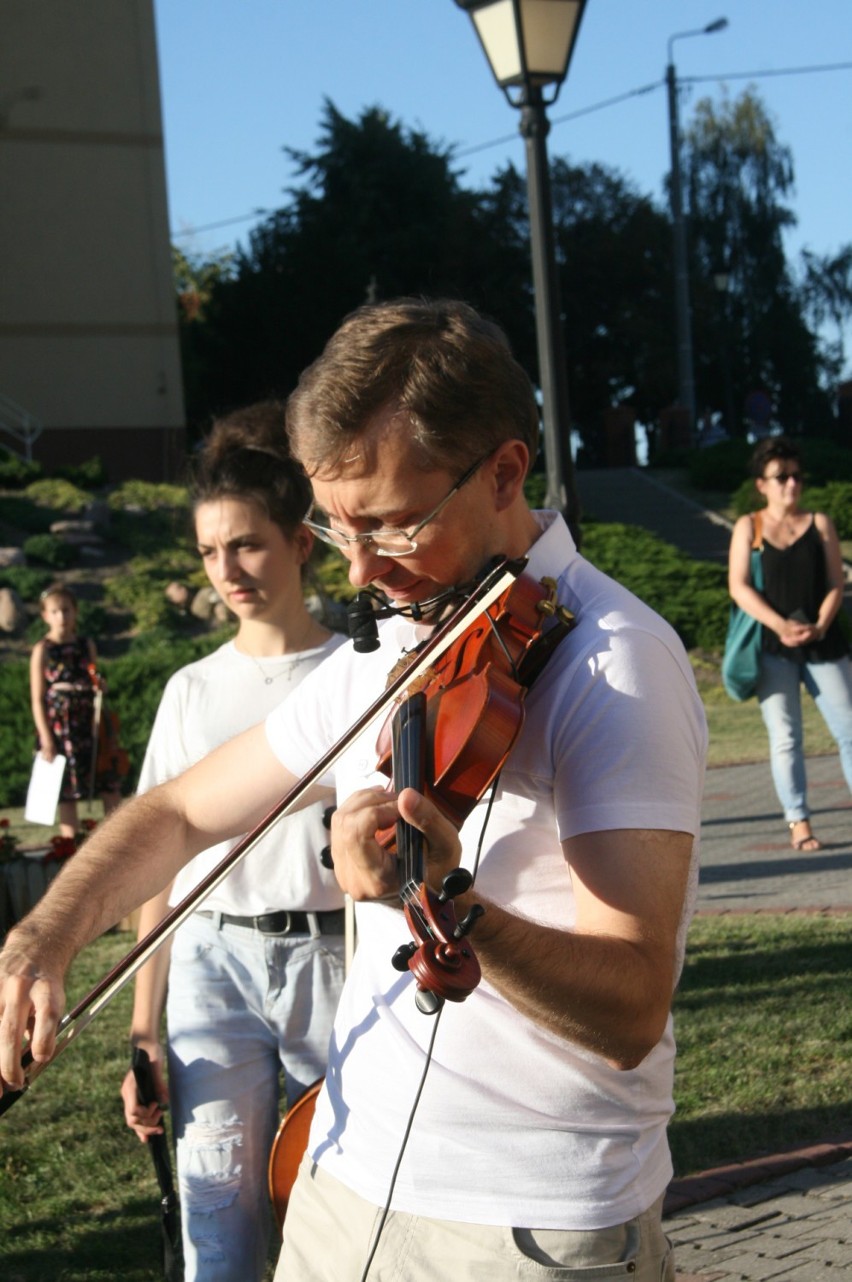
{"points": [[779, 696], [241, 1006]]}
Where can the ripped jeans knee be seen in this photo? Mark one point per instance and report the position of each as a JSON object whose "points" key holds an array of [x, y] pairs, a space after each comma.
{"points": [[221, 1210]]}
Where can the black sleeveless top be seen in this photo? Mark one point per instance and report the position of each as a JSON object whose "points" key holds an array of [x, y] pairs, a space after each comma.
{"points": [[796, 578]]}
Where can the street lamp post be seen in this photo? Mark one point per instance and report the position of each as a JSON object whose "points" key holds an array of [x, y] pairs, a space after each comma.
{"points": [[528, 44], [721, 282], [683, 322]]}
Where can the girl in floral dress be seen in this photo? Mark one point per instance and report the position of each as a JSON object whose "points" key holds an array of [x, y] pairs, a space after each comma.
{"points": [[63, 700]]}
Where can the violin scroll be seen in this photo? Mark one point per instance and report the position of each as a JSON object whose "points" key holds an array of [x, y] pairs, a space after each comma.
{"points": [[442, 962]]}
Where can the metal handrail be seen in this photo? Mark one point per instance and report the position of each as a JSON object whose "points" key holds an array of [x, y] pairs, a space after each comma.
{"points": [[20, 424]]}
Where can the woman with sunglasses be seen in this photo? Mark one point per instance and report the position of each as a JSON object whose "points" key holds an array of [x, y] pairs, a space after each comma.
{"points": [[802, 640]]}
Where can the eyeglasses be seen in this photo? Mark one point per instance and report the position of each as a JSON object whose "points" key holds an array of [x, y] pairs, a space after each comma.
{"points": [[390, 542], [783, 477]]}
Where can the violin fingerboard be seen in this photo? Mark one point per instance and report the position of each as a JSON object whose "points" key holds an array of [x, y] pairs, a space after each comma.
{"points": [[408, 764]]}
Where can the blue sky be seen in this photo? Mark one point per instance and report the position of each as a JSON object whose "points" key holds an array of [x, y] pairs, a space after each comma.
{"points": [[242, 79]]}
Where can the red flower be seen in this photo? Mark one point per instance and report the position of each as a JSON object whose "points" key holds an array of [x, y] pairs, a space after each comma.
{"points": [[61, 847], [4, 823]]}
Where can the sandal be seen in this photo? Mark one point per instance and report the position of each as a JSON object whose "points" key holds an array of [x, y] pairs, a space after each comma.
{"points": [[809, 842]]}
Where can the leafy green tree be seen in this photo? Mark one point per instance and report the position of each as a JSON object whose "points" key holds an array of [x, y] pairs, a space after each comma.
{"points": [[737, 179], [827, 293], [196, 279], [614, 251], [378, 211]]}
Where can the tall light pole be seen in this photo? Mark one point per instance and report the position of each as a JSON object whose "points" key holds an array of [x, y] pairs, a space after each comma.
{"points": [[683, 320], [528, 44], [721, 281]]}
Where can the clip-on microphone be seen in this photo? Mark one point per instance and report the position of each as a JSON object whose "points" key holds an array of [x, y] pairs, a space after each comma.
{"points": [[363, 613]]}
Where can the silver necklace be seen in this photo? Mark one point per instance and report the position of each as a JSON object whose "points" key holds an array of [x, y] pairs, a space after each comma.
{"points": [[286, 671]]}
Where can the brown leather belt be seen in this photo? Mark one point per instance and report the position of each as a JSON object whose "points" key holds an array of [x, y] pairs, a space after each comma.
{"points": [[284, 923]]}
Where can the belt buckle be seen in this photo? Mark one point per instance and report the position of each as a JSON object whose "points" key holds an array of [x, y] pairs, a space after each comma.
{"points": [[288, 925]]}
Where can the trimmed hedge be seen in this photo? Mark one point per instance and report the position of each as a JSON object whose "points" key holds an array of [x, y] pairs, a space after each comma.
{"points": [[691, 595]]}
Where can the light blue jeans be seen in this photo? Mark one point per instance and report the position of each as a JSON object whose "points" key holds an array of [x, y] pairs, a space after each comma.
{"points": [[779, 696], [241, 1006]]}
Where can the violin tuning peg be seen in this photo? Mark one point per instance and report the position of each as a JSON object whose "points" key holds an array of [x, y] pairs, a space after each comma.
{"points": [[467, 923], [402, 956], [427, 1002], [455, 883]]}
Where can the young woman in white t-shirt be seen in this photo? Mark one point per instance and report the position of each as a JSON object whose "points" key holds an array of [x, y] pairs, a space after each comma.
{"points": [[254, 975]]}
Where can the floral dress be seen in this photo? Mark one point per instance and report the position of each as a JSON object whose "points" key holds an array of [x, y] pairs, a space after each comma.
{"points": [[70, 701]]}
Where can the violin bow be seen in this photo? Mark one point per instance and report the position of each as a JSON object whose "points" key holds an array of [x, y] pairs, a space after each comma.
{"points": [[496, 579]]}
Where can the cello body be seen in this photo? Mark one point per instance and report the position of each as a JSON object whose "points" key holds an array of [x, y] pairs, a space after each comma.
{"points": [[110, 762], [288, 1148]]}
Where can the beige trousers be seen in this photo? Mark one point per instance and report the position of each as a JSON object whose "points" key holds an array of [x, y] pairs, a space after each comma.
{"points": [[329, 1233]]}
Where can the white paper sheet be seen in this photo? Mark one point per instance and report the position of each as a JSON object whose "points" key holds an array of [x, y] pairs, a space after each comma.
{"points": [[43, 792]]}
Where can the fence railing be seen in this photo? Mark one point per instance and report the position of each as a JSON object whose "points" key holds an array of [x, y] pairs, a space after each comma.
{"points": [[18, 423]]}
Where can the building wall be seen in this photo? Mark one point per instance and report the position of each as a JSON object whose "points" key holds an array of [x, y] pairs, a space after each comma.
{"points": [[88, 323]]}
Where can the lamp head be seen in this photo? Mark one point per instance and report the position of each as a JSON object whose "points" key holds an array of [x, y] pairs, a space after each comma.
{"points": [[528, 43]]}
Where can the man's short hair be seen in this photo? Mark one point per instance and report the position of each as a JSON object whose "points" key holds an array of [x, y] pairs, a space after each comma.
{"points": [[447, 369]]}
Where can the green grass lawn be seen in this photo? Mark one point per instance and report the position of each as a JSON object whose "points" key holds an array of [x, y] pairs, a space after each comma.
{"points": [[763, 1020], [764, 1024]]}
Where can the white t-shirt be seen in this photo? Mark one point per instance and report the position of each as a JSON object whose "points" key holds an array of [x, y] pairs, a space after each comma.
{"points": [[203, 705], [515, 1125]]}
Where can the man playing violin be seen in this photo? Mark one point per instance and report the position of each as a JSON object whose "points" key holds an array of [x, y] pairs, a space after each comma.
{"points": [[527, 1122]]}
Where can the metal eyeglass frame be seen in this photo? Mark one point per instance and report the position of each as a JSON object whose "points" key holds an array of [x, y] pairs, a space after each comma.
{"points": [[337, 538]]}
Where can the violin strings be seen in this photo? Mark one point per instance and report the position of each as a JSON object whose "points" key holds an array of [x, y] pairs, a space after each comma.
{"points": [[503, 646], [386, 1209]]}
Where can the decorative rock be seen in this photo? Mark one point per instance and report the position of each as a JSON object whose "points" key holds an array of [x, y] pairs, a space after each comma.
{"points": [[13, 616], [221, 613], [77, 533], [11, 556], [178, 594], [203, 603]]}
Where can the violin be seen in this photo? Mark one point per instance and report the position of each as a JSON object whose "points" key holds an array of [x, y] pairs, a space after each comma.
{"points": [[449, 738], [109, 759]]}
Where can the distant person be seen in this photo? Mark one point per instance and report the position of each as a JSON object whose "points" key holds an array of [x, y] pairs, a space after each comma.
{"points": [[62, 695], [711, 431], [802, 640], [256, 972]]}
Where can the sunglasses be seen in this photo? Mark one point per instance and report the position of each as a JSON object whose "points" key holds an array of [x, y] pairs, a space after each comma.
{"points": [[783, 477]]}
